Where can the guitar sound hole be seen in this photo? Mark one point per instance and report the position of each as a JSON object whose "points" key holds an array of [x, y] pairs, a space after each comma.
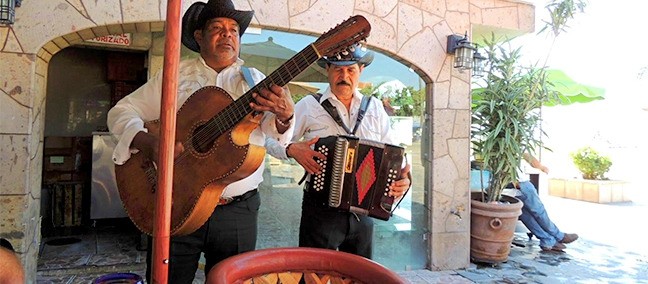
{"points": [[202, 140]]}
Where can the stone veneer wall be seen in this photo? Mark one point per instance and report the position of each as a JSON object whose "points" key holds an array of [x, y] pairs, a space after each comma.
{"points": [[412, 31]]}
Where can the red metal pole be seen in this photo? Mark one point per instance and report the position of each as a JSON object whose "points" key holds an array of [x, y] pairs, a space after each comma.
{"points": [[162, 228]]}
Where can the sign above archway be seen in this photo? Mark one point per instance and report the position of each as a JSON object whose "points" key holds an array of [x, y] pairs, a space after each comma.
{"points": [[120, 39]]}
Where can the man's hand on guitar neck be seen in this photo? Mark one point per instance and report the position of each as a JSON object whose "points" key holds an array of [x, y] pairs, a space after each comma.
{"points": [[149, 145], [278, 101]]}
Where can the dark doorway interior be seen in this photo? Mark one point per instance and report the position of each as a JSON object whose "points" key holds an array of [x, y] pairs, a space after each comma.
{"points": [[83, 84]]}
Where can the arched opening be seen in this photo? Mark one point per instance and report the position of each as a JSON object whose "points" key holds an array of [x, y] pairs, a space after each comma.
{"points": [[399, 243]]}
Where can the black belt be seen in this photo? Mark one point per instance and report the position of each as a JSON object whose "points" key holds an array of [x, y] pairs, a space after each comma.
{"points": [[242, 197]]}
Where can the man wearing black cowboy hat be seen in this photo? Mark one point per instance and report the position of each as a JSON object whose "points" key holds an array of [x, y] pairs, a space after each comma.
{"points": [[212, 29], [321, 226]]}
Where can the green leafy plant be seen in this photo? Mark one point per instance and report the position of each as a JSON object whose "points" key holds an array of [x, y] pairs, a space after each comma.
{"points": [[560, 13], [371, 90], [407, 101], [590, 163], [410, 102], [505, 113]]}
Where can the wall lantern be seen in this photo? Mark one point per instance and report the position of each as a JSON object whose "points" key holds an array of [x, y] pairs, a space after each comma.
{"points": [[479, 63], [7, 11], [466, 54]]}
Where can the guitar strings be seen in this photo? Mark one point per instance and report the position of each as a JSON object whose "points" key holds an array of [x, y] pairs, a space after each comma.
{"points": [[233, 113], [216, 126]]}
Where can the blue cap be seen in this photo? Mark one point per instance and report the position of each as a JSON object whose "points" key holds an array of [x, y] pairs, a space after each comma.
{"points": [[357, 54]]}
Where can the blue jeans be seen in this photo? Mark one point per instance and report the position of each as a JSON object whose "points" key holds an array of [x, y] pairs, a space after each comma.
{"points": [[535, 218]]}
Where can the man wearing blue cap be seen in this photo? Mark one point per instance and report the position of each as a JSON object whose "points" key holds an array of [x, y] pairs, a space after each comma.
{"points": [[321, 226]]}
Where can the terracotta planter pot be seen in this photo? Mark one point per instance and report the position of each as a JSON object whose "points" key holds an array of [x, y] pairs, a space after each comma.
{"points": [[492, 226]]}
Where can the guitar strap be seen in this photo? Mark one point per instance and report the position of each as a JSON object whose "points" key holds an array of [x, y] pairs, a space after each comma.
{"points": [[336, 116], [248, 76]]}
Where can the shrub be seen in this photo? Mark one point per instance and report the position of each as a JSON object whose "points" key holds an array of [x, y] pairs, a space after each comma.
{"points": [[590, 163]]}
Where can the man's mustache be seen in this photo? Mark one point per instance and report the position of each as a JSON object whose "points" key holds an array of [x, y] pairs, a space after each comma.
{"points": [[225, 41], [343, 83]]}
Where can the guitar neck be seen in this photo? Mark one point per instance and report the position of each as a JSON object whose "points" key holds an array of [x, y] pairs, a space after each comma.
{"points": [[336, 40], [236, 111]]}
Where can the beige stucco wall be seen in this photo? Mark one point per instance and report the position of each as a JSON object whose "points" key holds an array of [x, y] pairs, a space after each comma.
{"points": [[413, 31]]}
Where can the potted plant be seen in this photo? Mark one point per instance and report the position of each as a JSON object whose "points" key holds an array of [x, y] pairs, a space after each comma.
{"points": [[594, 186], [505, 124], [590, 163]]}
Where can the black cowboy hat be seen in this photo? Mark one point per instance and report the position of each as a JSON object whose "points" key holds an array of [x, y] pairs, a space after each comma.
{"points": [[359, 55], [199, 12]]}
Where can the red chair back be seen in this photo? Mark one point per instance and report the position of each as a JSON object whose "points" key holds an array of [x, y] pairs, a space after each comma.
{"points": [[290, 265]]}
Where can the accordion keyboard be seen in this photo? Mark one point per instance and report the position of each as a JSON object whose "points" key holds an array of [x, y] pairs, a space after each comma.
{"points": [[318, 180]]}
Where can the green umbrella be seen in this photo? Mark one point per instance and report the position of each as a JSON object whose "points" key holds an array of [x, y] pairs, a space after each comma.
{"points": [[568, 90]]}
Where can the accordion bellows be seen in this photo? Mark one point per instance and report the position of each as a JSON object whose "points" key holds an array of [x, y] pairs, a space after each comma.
{"points": [[356, 175]]}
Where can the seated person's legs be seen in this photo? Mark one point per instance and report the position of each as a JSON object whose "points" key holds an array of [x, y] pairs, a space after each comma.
{"points": [[534, 207], [546, 240]]}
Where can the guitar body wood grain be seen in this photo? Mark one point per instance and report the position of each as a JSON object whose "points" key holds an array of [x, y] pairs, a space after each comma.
{"points": [[200, 173]]}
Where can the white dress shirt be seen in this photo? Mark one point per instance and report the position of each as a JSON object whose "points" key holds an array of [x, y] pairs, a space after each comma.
{"points": [[127, 117], [312, 120]]}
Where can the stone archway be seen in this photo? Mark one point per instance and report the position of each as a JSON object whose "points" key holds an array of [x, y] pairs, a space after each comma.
{"points": [[414, 31], [155, 45]]}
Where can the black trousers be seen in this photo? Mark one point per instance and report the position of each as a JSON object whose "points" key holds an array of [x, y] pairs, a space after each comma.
{"points": [[323, 227], [231, 230]]}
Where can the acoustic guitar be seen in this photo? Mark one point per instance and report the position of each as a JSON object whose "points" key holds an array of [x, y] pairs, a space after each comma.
{"points": [[215, 131]]}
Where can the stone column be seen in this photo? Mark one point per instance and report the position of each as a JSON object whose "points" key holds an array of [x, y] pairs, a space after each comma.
{"points": [[21, 125]]}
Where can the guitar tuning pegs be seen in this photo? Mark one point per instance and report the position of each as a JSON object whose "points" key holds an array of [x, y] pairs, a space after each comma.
{"points": [[363, 42], [345, 52], [351, 49]]}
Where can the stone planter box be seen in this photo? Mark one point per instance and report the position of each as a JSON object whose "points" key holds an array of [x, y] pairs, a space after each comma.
{"points": [[597, 191]]}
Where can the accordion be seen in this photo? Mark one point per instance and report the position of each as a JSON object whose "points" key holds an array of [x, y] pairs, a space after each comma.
{"points": [[356, 175]]}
